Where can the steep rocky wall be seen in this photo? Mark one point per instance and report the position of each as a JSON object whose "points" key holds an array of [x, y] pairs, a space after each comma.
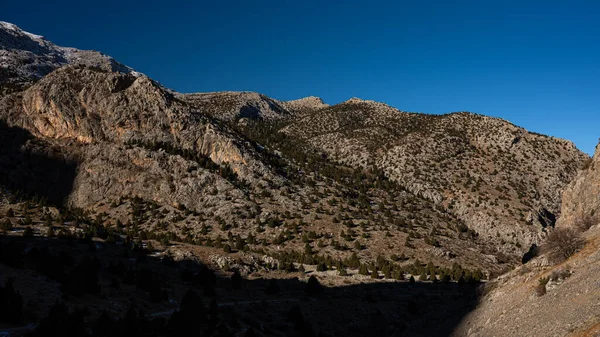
{"points": [[581, 198], [109, 171]]}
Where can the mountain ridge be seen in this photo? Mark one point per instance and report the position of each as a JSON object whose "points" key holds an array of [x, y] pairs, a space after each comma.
{"points": [[26, 57]]}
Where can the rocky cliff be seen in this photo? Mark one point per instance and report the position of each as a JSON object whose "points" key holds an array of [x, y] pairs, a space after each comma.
{"points": [[581, 198]]}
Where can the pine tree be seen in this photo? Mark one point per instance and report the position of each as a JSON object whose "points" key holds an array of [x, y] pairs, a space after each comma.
{"points": [[28, 232], [354, 261], [308, 249], [313, 287]]}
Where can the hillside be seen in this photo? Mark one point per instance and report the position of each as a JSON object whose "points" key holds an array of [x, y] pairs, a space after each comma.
{"points": [[502, 181], [568, 303]]}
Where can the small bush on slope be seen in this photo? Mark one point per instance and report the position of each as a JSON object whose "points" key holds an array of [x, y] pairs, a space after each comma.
{"points": [[540, 289], [562, 243]]}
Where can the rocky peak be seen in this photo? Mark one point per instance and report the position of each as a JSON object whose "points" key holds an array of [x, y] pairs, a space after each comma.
{"points": [[355, 100], [306, 103], [26, 57]]}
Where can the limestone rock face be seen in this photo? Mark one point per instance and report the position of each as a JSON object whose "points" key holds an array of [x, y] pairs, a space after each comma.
{"points": [[581, 198], [91, 106], [108, 172]]}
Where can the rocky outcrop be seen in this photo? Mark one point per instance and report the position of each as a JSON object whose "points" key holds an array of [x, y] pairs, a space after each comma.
{"points": [[306, 104], [109, 171], [581, 199], [26, 57], [91, 106]]}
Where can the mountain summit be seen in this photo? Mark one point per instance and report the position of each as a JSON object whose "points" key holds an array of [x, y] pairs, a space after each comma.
{"points": [[26, 57]]}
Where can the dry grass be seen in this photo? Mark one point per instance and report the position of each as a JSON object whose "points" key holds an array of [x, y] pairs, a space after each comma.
{"points": [[585, 222], [562, 243]]}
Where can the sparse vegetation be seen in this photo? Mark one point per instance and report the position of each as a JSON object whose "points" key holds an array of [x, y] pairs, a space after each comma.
{"points": [[540, 289], [561, 243]]}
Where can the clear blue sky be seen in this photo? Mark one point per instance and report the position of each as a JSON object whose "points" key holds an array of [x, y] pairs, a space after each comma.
{"points": [[534, 63]]}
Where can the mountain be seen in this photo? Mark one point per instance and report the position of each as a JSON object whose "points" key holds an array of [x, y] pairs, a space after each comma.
{"points": [[353, 193], [26, 57]]}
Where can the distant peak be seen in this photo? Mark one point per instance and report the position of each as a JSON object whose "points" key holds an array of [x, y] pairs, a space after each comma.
{"points": [[356, 100], [14, 28], [312, 99], [310, 102]]}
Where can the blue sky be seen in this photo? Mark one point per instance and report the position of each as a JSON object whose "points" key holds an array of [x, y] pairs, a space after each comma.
{"points": [[534, 63]]}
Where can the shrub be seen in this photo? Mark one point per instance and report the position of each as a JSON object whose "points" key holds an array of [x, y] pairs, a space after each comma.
{"points": [[560, 274], [28, 232], [562, 243], [6, 225], [540, 289]]}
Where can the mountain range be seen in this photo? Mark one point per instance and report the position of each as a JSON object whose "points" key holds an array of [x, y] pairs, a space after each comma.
{"points": [[241, 179]]}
